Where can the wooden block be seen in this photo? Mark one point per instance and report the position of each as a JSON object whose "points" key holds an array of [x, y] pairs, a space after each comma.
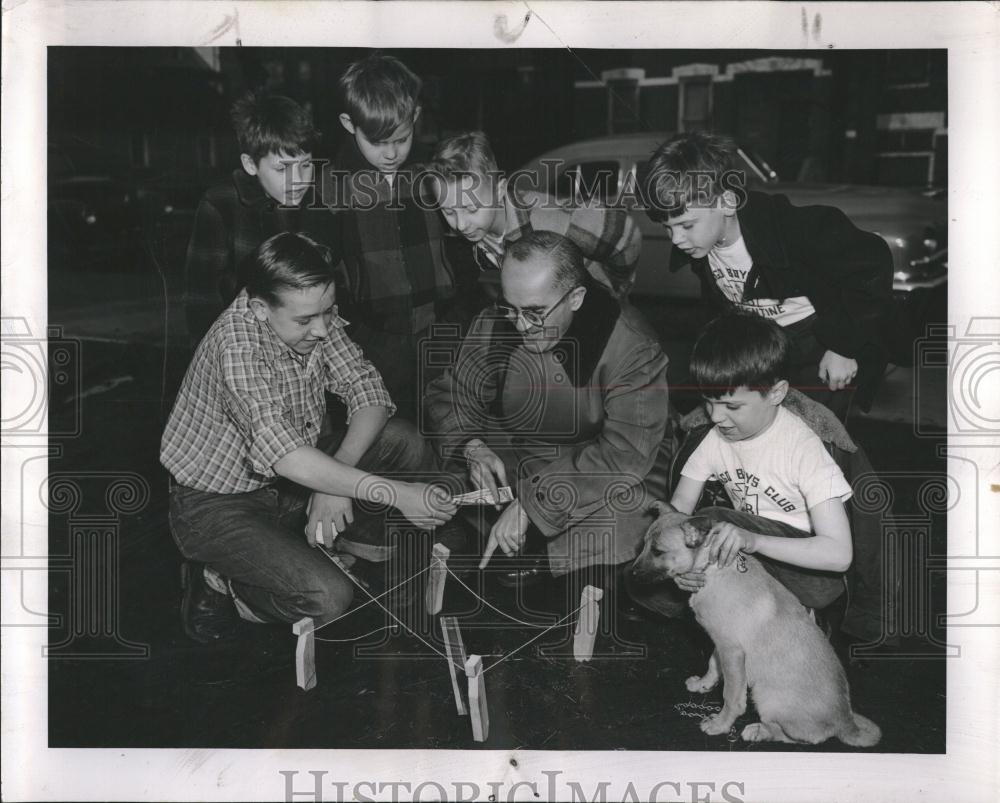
{"points": [[436, 577], [477, 699], [455, 650], [587, 623], [305, 653]]}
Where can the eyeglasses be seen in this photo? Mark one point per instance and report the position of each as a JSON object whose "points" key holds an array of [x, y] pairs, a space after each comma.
{"points": [[532, 319]]}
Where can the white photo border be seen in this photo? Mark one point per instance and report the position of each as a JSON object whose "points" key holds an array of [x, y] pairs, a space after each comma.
{"points": [[971, 34]]}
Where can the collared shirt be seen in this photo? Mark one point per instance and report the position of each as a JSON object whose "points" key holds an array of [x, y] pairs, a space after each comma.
{"points": [[609, 238], [248, 400]]}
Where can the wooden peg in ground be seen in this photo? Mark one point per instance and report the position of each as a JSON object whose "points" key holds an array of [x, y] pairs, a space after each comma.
{"points": [[436, 577], [477, 699], [305, 653], [586, 623], [455, 650]]}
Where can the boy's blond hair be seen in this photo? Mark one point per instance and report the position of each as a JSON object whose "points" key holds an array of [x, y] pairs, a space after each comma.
{"points": [[464, 155]]}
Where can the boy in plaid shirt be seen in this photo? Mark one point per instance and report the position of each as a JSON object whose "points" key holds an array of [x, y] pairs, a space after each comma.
{"points": [[398, 281], [271, 192], [241, 447], [490, 213]]}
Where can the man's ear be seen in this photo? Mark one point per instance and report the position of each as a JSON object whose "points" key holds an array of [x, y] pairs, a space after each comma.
{"points": [[345, 121], [260, 309], [248, 163], [576, 298], [776, 395]]}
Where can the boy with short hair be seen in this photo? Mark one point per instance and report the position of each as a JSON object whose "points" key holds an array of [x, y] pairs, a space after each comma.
{"points": [[241, 447], [477, 202], [398, 281], [826, 282], [271, 192], [787, 491]]}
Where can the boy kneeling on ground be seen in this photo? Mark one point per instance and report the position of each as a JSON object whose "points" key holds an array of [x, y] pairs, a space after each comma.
{"points": [[241, 446]]}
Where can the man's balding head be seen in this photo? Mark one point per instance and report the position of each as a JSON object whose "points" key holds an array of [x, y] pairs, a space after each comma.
{"points": [[543, 275]]}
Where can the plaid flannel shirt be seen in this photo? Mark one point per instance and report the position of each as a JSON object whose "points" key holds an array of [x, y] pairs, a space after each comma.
{"points": [[397, 275], [232, 219], [609, 238], [248, 400]]}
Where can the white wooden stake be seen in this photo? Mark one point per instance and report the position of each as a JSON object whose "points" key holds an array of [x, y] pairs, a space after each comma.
{"points": [[455, 650], [436, 577], [587, 623], [305, 653], [477, 699]]}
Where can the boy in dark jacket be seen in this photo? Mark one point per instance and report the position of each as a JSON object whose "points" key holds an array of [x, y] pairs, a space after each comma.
{"points": [[271, 192], [397, 281], [824, 281]]}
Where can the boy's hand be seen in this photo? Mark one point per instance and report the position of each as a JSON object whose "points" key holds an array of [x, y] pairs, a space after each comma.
{"points": [[725, 540], [837, 371], [427, 506], [328, 516], [690, 581]]}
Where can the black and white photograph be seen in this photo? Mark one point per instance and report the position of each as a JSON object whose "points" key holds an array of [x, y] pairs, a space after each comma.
{"points": [[584, 387]]}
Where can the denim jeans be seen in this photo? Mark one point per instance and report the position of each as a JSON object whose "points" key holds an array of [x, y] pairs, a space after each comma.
{"points": [[256, 540]]}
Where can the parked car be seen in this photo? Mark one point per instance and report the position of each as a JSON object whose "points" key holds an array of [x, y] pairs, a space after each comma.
{"points": [[914, 224]]}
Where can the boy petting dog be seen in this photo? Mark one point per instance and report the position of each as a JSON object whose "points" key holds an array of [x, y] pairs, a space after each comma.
{"points": [[787, 491]]}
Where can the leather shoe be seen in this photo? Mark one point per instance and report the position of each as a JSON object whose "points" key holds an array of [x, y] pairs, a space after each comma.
{"points": [[208, 617], [524, 577]]}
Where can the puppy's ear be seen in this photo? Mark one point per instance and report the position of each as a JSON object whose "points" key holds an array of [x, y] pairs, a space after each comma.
{"points": [[696, 530], [661, 508]]}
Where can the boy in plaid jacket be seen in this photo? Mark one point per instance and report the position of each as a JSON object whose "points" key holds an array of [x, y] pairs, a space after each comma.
{"points": [[398, 282]]}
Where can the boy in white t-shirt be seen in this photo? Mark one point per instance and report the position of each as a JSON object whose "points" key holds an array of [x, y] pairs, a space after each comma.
{"points": [[771, 464]]}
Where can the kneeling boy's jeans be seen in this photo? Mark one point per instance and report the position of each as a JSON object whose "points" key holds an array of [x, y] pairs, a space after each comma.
{"points": [[257, 539]]}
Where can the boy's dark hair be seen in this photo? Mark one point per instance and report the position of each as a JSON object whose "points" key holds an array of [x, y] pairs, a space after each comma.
{"points": [[569, 272], [287, 261], [739, 349], [688, 169], [272, 124], [379, 93]]}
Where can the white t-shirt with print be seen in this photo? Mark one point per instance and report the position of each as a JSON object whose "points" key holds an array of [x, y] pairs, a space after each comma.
{"points": [[778, 474], [730, 265]]}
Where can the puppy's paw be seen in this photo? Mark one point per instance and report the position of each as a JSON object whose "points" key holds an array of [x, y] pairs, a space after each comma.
{"points": [[700, 684], [716, 725], [756, 732]]}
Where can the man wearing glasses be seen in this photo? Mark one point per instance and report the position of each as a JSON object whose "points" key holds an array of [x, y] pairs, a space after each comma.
{"points": [[558, 391]]}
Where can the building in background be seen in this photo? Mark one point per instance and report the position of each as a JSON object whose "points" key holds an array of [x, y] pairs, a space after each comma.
{"points": [[161, 114], [867, 117]]}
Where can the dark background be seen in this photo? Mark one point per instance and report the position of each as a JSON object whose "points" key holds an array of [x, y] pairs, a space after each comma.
{"points": [[159, 115]]}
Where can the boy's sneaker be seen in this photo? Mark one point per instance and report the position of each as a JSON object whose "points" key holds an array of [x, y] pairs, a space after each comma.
{"points": [[207, 616]]}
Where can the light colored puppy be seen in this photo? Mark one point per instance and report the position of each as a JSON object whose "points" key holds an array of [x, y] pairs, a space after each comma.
{"points": [[764, 638]]}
